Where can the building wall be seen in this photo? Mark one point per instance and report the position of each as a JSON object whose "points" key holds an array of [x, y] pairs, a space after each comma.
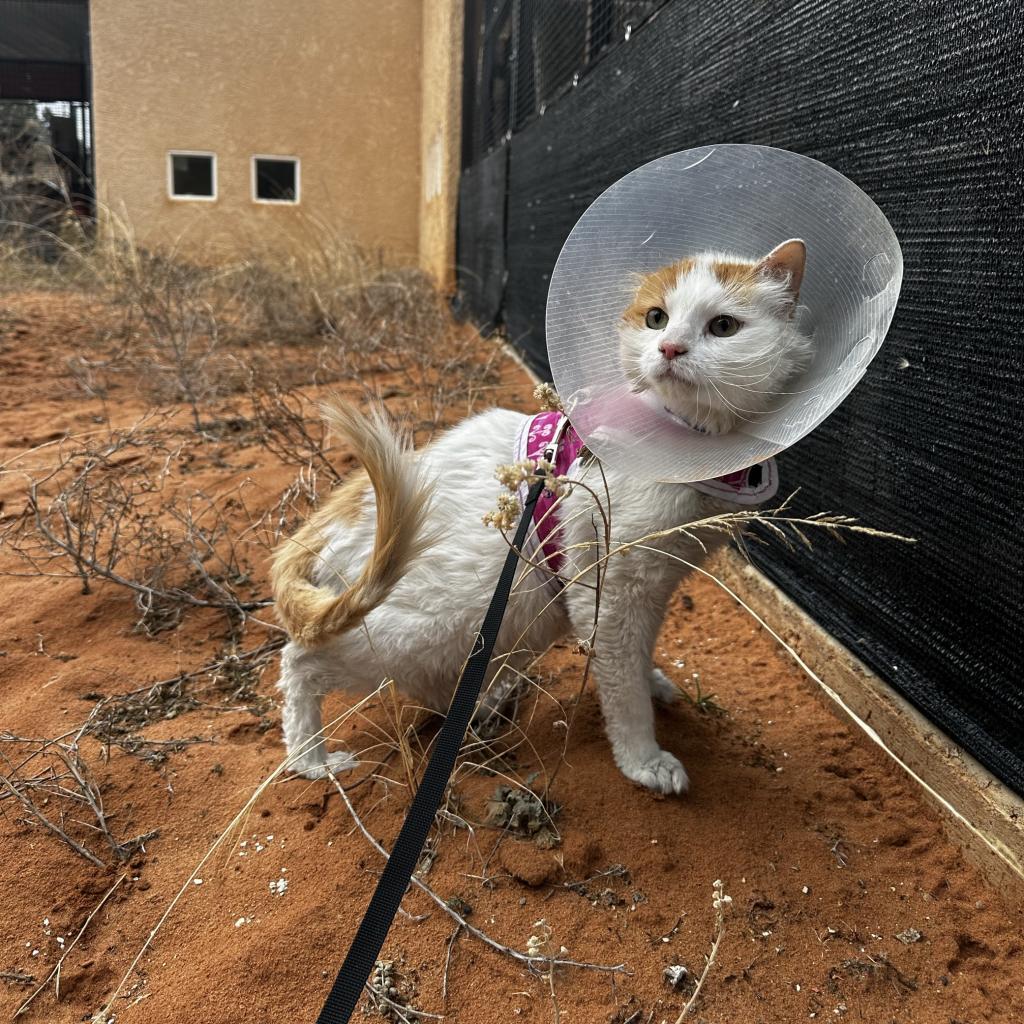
{"points": [[440, 135], [337, 83]]}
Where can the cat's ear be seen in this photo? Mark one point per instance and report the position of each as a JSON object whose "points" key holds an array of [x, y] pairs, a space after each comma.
{"points": [[786, 260]]}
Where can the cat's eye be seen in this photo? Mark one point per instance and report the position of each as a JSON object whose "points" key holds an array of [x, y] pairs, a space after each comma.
{"points": [[724, 326], [656, 318]]}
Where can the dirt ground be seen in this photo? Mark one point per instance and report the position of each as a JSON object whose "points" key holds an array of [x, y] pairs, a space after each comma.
{"points": [[847, 901]]}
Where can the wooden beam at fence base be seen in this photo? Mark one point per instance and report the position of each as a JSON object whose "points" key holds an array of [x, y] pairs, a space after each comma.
{"points": [[980, 814]]}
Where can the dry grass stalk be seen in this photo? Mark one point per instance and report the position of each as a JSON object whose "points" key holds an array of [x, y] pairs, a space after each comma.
{"points": [[720, 902], [54, 975]]}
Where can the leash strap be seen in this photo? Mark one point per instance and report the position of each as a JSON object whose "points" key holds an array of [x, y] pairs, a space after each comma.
{"points": [[394, 880]]}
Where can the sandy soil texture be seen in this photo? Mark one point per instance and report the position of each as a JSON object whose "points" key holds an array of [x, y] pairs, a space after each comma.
{"points": [[847, 901]]}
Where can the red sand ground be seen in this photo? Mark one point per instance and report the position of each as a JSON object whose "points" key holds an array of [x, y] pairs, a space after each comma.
{"points": [[827, 850]]}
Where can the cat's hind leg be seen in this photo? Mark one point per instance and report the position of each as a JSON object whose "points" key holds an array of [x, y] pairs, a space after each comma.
{"points": [[305, 677], [663, 690], [506, 683], [499, 695]]}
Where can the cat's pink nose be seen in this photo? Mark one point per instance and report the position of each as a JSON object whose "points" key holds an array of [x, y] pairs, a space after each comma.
{"points": [[671, 349]]}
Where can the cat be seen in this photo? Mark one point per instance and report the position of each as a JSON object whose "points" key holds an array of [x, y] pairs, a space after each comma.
{"points": [[389, 578]]}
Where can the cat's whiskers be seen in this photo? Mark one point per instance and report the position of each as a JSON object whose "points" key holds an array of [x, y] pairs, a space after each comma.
{"points": [[759, 356], [728, 375], [704, 422], [736, 410], [766, 391]]}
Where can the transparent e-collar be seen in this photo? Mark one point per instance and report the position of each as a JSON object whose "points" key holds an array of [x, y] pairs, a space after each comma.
{"points": [[736, 199]]}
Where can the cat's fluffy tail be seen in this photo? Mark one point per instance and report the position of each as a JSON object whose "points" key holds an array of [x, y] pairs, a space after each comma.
{"points": [[313, 614]]}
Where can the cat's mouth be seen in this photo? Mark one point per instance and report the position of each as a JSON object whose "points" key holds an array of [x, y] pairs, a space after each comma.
{"points": [[677, 372]]}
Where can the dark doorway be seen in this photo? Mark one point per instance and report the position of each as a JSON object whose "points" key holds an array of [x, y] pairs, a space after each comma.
{"points": [[45, 104]]}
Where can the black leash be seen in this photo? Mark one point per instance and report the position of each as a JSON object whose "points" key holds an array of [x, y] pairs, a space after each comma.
{"points": [[366, 946]]}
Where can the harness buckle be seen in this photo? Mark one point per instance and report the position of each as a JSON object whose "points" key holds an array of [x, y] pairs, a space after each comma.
{"points": [[550, 454]]}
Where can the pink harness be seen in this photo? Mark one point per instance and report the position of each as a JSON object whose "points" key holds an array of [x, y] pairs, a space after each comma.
{"points": [[550, 436]]}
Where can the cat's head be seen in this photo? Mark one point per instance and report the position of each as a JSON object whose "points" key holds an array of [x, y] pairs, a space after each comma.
{"points": [[713, 337]]}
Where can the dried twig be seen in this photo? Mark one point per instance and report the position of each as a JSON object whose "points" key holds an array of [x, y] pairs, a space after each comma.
{"points": [[449, 946], [720, 902], [63, 779], [289, 434], [17, 977]]}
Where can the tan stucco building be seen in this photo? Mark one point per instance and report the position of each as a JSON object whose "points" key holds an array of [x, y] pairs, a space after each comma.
{"points": [[223, 125]]}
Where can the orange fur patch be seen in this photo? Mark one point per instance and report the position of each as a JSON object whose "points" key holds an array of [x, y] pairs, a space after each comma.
{"points": [[735, 273], [653, 288]]}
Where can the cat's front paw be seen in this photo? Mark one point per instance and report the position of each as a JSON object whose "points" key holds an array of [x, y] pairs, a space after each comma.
{"points": [[663, 690], [664, 773], [337, 762]]}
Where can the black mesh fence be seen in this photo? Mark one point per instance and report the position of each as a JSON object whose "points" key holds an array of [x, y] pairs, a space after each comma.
{"points": [[488, 71], [921, 105], [481, 240], [522, 54]]}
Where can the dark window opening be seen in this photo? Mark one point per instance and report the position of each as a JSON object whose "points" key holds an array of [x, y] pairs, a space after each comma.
{"points": [[192, 175], [277, 181]]}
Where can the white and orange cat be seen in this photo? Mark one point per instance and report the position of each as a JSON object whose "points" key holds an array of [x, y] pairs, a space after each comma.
{"points": [[390, 577]]}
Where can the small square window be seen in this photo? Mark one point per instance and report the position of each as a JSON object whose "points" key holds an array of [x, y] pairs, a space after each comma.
{"points": [[192, 175], [275, 179]]}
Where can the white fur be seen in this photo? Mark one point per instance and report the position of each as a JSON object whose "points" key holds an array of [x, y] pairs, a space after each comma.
{"points": [[422, 632], [420, 635]]}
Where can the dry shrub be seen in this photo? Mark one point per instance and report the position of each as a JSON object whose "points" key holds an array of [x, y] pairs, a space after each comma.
{"points": [[168, 304], [319, 284], [178, 318], [383, 327], [107, 511], [293, 432], [197, 332]]}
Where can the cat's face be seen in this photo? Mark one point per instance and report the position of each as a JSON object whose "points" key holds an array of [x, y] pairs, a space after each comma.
{"points": [[713, 337]]}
